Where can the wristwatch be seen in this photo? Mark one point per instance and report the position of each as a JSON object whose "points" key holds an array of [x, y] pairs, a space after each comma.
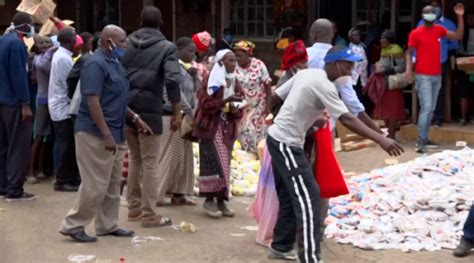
{"points": [[135, 118]]}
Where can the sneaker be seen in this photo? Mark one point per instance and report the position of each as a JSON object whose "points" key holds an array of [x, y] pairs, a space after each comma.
{"points": [[438, 124], [274, 254], [31, 180], [157, 221], [41, 176], [462, 122], [463, 249], [226, 211], [25, 197], [419, 148], [211, 209], [3, 195], [432, 145]]}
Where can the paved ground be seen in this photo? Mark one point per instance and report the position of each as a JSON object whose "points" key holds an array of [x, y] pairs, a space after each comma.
{"points": [[28, 232]]}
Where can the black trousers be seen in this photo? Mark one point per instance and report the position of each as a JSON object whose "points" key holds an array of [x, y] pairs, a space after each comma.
{"points": [[15, 150], [68, 172], [298, 193]]}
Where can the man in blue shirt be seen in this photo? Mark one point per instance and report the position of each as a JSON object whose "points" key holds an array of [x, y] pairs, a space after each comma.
{"points": [[15, 112], [100, 140], [446, 47]]}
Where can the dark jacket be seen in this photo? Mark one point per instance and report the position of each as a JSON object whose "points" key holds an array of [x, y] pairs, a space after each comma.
{"points": [[209, 114], [151, 64], [13, 72], [75, 75]]}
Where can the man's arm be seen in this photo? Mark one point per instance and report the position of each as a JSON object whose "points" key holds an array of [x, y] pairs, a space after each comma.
{"points": [[173, 79], [93, 102], [409, 61], [364, 117], [459, 33], [19, 78], [355, 125]]}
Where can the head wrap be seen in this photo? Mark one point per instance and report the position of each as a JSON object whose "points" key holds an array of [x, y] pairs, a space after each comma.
{"points": [[79, 41], [246, 46], [202, 40], [294, 53], [218, 75], [390, 36]]}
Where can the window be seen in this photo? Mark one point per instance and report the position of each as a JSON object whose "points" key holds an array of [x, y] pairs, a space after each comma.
{"points": [[251, 18]]}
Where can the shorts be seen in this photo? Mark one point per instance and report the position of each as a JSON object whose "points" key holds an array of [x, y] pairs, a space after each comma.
{"points": [[43, 124]]}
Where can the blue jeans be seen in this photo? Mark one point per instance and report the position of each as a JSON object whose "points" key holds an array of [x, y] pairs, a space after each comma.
{"points": [[428, 88], [469, 226]]}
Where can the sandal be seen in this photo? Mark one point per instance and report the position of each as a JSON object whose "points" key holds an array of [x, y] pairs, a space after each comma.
{"points": [[182, 201], [158, 221]]}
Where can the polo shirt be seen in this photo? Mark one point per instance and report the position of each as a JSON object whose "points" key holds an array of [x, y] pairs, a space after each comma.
{"points": [[104, 77], [426, 42], [305, 96]]}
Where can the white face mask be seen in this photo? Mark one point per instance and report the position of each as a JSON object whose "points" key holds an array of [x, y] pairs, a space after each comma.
{"points": [[429, 17], [343, 79]]}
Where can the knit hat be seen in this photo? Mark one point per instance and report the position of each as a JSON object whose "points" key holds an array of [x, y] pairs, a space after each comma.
{"points": [[202, 40]]}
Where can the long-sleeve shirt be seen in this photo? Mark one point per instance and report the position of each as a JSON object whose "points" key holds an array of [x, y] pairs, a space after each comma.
{"points": [[58, 100], [13, 71], [42, 67], [188, 87], [446, 44]]}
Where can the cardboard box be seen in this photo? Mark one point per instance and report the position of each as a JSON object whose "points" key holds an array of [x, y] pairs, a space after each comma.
{"points": [[466, 64], [40, 11]]}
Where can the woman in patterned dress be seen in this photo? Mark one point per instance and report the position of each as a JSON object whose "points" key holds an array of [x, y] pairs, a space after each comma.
{"points": [[256, 83]]}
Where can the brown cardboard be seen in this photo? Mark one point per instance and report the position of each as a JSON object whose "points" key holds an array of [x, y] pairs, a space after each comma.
{"points": [[40, 11], [466, 64]]}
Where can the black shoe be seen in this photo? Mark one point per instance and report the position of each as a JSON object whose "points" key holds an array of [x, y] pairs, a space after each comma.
{"points": [[120, 233], [81, 237], [24, 197], [463, 249], [438, 124], [65, 188], [3, 195], [420, 148], [432, 145]]}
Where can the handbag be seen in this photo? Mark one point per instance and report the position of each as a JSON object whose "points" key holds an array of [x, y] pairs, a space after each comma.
{"points": [[327, 169], [398, 80], [187, 128]]}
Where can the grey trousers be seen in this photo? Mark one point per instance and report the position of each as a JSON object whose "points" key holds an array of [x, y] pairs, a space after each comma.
{"points": [[99, 194]]}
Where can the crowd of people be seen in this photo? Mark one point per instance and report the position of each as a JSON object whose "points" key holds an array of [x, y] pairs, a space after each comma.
{"points": [[107, 97]]}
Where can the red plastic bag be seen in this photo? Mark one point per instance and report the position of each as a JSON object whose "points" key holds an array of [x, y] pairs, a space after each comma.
{"points": [[327, 169]]}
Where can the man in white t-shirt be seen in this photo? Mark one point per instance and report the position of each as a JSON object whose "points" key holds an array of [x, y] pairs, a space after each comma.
{"points": [[306, 96]]}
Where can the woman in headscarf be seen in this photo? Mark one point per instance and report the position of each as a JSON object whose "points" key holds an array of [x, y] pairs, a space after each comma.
{"points": [[176, 164], [265, 205], [216, 126], [391, 107], [256, 82]]}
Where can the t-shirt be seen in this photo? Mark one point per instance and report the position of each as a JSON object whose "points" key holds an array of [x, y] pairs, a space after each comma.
{"points": [[306, 95], [104, 77], [426, 42]]}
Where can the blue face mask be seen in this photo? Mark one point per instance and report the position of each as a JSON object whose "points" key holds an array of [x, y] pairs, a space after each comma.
{"points": [[27, 34], [228, 38], [116, 52]]}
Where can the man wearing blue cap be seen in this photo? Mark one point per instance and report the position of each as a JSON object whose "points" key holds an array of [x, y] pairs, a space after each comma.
{"points": [[306, 96]]}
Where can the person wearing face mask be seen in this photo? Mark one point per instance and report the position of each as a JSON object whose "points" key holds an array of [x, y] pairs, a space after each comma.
{"points": [[466, 81], [425, 40], [307, 95], [15, 112], [152, 65], [67, 176], [100, 139], [227, 41], [447, 46], [216, 126]]}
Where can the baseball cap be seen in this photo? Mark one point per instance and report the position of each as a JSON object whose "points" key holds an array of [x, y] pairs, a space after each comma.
{"points": [[345, 54]]}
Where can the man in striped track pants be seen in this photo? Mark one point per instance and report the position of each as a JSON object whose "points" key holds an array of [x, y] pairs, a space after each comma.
{"points": [[306, 96]]}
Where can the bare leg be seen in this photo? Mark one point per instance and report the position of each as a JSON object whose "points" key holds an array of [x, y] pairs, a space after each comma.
{"points": [[34, 152], [392, 128], [465, 109]]}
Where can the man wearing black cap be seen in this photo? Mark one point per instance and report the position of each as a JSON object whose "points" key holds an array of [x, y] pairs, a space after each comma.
{"points": [[306, 96]]}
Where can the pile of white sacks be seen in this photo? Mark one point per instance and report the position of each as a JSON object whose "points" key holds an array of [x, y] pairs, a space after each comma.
{"points": [[419, 205], [245, 169]]}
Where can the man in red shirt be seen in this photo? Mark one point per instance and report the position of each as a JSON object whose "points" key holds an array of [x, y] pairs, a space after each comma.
{"points": [[426, 41]]}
